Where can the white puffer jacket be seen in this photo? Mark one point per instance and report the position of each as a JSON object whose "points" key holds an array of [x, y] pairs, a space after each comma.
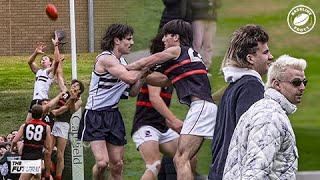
{"points": [[263, 145]]}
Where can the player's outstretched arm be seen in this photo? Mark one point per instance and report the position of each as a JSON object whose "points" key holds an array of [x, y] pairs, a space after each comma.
{"points": [[158, 79], [51, 104], [157, 58], [39, 50], [60, 111], [112, 65]]}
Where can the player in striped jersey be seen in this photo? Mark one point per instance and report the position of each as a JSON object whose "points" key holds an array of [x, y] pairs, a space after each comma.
{"points": [[102, 124]]}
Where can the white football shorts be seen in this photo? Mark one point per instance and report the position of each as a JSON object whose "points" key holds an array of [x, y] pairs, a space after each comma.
{"points": [[201, 119], [149, 133]]}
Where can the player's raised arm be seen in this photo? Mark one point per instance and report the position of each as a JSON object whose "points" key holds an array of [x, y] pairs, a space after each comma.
{"points": [[57, 58], [39, 50]]}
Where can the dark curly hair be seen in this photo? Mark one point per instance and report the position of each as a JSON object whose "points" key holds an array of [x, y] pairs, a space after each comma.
{"points": [[119, 31]]}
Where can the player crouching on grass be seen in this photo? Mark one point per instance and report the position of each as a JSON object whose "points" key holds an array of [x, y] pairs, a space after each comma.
{"points": [[36, 136]]}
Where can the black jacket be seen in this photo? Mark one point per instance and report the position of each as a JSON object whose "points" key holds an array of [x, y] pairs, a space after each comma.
{"points": [[175, 9]]}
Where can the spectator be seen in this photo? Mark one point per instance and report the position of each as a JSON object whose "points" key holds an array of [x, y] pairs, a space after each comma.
{"points": [[204, 17], [3, 149], [2, 139], [175, 9], [9, 137], [246, 60], [5, 164], [263, 145], [14, 133]]}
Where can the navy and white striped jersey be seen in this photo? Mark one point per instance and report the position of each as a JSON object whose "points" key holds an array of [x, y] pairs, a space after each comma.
{"points": [[42, 84], [106, 89]]}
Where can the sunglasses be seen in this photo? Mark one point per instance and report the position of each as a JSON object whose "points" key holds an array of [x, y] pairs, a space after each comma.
{"points": [[297, 82]]}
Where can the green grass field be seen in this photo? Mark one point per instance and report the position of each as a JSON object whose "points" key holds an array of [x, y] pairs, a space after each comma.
{"points": [[16, 80]]}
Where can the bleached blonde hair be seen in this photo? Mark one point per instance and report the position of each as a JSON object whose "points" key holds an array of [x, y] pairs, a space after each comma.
{"points": [[278, 67]]}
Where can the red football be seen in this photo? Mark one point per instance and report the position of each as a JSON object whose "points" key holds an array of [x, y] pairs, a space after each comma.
{"points": [[52, 12]]}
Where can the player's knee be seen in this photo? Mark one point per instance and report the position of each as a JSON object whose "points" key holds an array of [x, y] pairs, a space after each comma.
{"points": [[179, 160], [154, 168], [117, 167], [102, 165]]}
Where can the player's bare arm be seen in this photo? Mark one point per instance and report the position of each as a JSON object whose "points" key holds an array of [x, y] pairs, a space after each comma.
{"points": [[112, 65], [60, 111], [56, 56], [74, 102], [48, 141], [62, 85], [39, 50], [157, 102], [51, 104], [17, 137], [158, 79], [157, 58], [135, 88]]}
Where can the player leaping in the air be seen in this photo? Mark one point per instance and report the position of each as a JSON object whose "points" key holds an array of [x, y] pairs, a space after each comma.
{"points": [[44, 75]]}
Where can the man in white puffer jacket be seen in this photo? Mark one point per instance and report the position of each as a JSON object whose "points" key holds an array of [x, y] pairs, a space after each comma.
{"points": [[263, 145]]}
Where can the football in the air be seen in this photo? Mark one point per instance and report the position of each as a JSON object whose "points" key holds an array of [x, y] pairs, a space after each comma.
{"points": [[301, 19], [52, 12]]}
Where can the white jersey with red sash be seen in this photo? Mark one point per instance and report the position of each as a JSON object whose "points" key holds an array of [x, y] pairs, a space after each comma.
{"points": [[42, 84]]}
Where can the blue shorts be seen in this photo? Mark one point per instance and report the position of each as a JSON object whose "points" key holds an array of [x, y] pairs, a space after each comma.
{"points": [[106, 124]]}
